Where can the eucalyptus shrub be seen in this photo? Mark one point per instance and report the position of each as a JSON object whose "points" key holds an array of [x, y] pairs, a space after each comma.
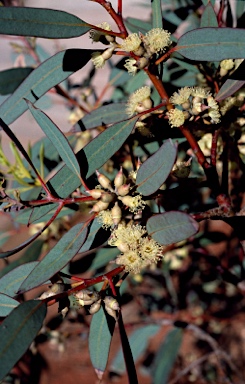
{"points": [[129, 185]]}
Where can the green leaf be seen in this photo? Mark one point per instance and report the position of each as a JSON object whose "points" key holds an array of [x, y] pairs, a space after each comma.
{"points": [[118, 77], [7, 304], [57, 258], [156, 14], [103, 146], [31, 254], [48, 74], [138, 341], [136, 82], [100, 335], [38, 22], [166, 356], [155, 170], [171, 227], [12, 78], [229, 88], [209, 18], [17, 332], [212, 44], [107, 114], [92, 232], [103, 257], [11, 282], [136, 25], [56, 137]]}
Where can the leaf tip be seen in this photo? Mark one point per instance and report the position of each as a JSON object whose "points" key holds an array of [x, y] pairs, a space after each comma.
{"points": [[99, 373]]}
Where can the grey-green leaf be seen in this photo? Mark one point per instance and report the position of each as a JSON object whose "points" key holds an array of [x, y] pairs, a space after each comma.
{"points": [[39, 22], [7, 304], [48, 74], [11, 282], [155, 170], [171, 227], [166, 356], [17, 332], [100, 335], [67, 247], [229, 87], [156, 14], [56, 137], [12, 78], [209, 18], [212, 44], [107, 114], [138, 341]]}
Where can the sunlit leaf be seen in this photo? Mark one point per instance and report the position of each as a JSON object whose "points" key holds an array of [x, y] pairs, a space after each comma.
{"points": [[209, 18], [171, 227], [107, 114], [12, 78], [138, 341], [155, 170], [57, 258], [166, 356], [7, 304], [212, 44], [17, 332], [11, 282], [57, 137], [48, 74], [38, 22], [100, 335]]}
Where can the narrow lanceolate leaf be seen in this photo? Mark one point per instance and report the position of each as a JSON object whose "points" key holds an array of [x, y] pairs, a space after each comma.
{"points": [[209, 18], [7, 304], [48, 74], [56, 137], [11, 282], [166, 356], [156, 14], [12, 78], [17, 332], [57, 258], [107, 114], [212, 44], [103, 146], [100, 335], [138, 341], [38, 22], [229, 88], [155, 170], [171, 227]]}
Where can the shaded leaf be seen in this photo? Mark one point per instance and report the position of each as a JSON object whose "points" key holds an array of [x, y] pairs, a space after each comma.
{"points": [[56, 137], [166, 356], [209, 18], [67, 247], [38, 22], [118, 77], [12, 78], [229, 88], [155, 170], [212, 44], [7, 304], [17, 332], [136, 25], [138, 341], [171, 227], [11, 282], [92, 232], [100, 335], [156, 14], [103, 257], [52, 72]]}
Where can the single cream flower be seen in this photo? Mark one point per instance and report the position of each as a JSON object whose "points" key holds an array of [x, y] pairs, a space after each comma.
{"points": [[176, 118], [140, 99], [157, 39], [131, 43]]}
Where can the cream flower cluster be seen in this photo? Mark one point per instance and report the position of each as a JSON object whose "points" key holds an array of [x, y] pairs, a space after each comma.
{"points": [[119, 196], [138, 250], [191, 102], [139, 101]]}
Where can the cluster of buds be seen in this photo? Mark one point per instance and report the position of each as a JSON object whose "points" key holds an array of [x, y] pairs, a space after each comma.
{"points": [[120, 195], [138, 249], [94, 300], [193, 103], [182, 169]]}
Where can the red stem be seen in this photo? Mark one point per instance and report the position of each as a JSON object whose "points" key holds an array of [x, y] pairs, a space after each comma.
{"points": [[215, 136]]}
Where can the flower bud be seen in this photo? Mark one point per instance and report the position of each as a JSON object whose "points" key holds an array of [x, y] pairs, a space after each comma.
{"points": [[127, 200], [123, 190], [111, 302], [104, 181], [116, 214], [119, 179], [99, 206], [95, 307], [96, 193], [107, 197]]}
